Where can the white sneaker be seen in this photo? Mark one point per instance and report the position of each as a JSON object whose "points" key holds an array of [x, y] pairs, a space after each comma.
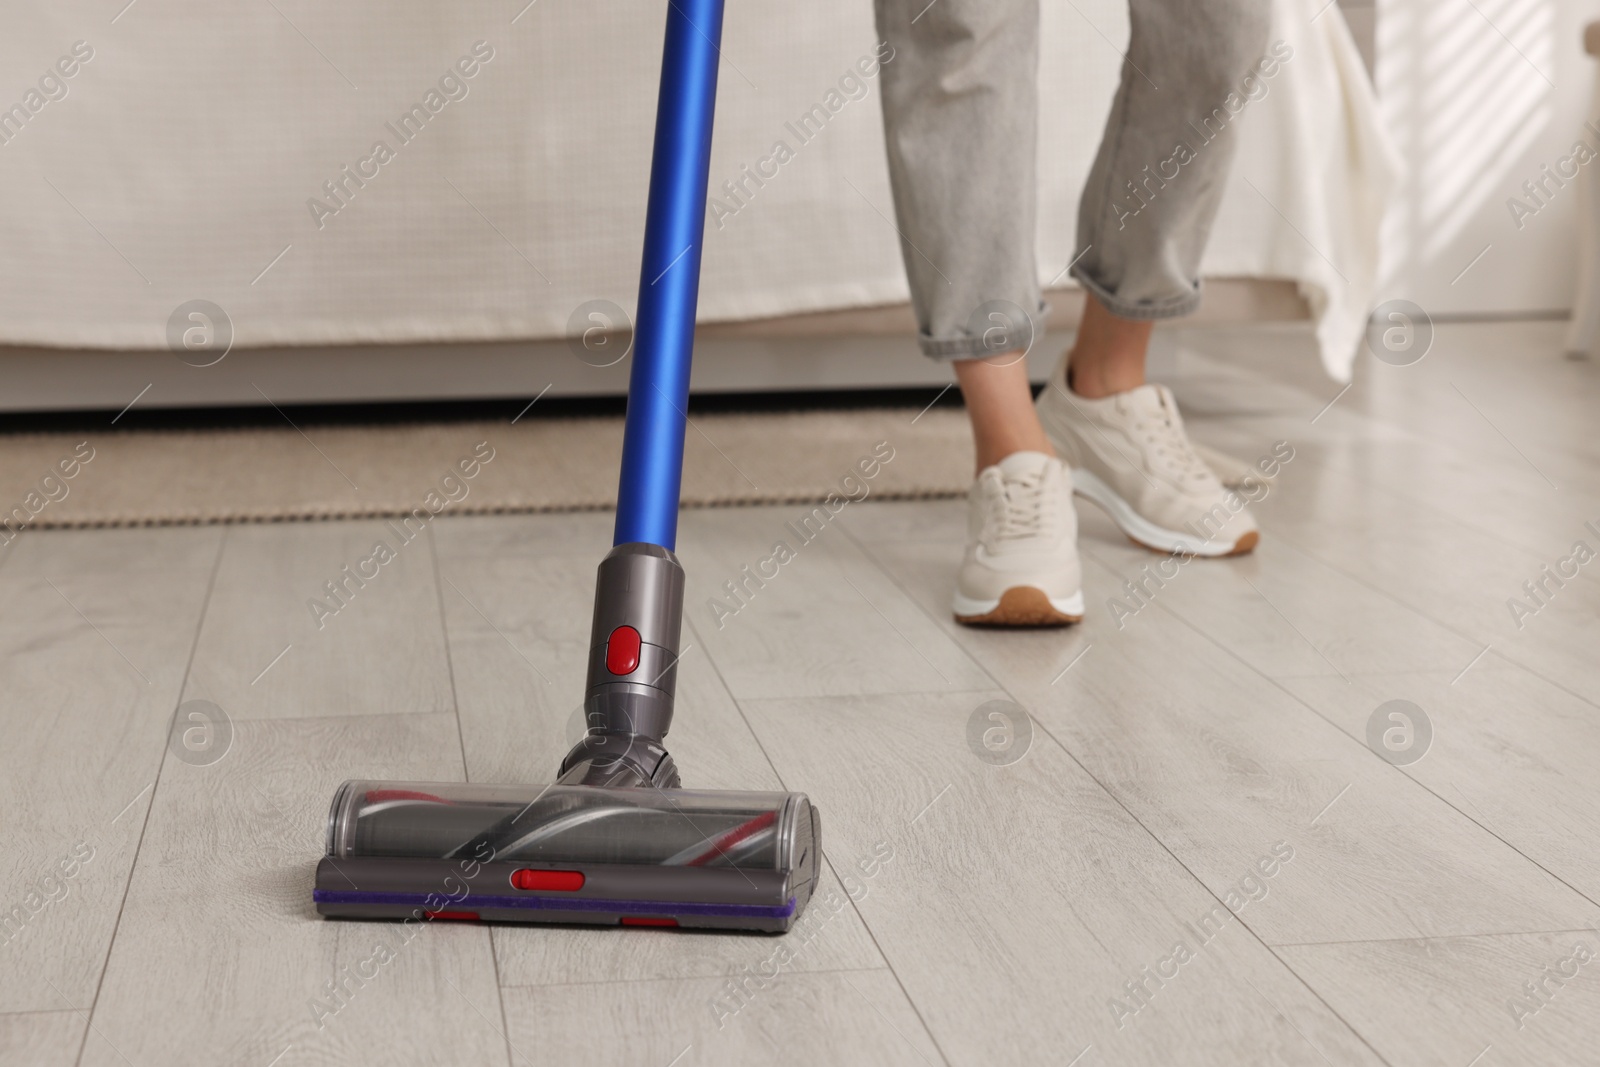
{"points": [[1021, 564], [1129, 454]]}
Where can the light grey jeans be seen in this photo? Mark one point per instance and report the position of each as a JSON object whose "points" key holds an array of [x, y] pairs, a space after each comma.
{"points": [[960, 108]]}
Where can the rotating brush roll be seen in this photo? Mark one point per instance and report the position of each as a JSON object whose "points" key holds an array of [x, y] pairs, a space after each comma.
{"points": [[569, 854]]}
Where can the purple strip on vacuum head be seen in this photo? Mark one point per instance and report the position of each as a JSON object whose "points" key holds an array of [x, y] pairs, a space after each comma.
{"points": [[624, 907]]}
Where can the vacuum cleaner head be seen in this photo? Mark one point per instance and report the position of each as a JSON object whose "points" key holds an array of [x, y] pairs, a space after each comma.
{"points": [[569, 854]]}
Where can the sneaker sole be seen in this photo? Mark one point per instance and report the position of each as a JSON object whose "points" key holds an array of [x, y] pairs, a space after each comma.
{"points": [[1021, 605], [1146, 534]]}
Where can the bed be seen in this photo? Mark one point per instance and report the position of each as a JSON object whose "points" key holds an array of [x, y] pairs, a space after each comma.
{"points": [[231, 154]]}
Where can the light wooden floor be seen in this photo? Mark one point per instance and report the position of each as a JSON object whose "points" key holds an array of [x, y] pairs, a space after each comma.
{"points": [[1174, 758]]}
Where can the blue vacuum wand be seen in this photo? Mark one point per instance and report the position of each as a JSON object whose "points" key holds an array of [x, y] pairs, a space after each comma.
{"points": [[669, 278], [638, 603], [615, 841]]}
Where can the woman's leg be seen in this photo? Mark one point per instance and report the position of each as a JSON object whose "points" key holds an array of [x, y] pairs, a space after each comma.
{"points": [[1108, 354], [960, 113], [1000, 404], [1143, 221], [1150, 199], [1153, 192], [960, 107]]}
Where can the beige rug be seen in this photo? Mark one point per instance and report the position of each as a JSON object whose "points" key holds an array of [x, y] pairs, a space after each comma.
{"points": [[146, 477]]}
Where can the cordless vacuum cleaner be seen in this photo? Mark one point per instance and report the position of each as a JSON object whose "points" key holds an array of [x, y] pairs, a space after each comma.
{"points": [[615, 841]]}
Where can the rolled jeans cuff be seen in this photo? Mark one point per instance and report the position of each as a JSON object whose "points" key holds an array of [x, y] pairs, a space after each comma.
{"points": [[1142, 311], [965, 345]]}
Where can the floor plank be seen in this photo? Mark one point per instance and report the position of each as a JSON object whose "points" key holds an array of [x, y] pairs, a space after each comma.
{"points": [[266, 654], [1498, 495], [1496, 393], [518, 596], [96, 628], [874, 639], [1283, 612], [220, 912], [1458, 575], [1507, 748], [799, 1019], [41, 1038], [1020, 904], [1408, 435], [1453, 1001], [1498, 390]]}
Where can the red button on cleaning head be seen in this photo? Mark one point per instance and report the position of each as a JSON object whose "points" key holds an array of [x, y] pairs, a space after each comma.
{"points": [[622, 650], [557, 881]]}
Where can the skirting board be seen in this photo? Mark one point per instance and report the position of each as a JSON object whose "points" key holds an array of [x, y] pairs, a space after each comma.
{"points": [[855, 349]]}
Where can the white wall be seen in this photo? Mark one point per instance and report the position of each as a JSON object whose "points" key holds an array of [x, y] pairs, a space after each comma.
{"points": [[1479, 94]]}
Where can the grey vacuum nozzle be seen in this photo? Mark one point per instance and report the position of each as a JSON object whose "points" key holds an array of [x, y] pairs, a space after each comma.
{"points": [[569, 854]]}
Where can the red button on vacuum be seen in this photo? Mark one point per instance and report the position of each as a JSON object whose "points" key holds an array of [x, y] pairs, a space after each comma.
{"points": [[622, 650], [558, 881]]}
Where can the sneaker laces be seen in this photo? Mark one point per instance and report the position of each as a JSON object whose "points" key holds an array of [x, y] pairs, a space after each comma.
{"points": [[1025, 508], [1161, 432]]}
